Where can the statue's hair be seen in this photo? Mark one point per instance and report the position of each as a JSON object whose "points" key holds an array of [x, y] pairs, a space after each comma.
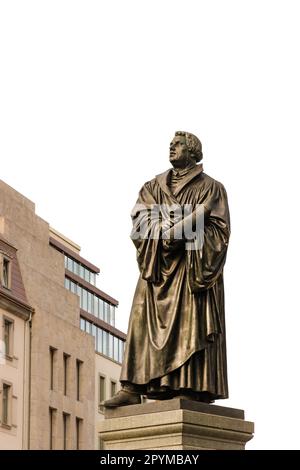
{"points": [[193, 144]]}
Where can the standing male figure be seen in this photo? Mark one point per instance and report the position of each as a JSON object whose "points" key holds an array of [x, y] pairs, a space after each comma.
{"points": [[176, 336]]}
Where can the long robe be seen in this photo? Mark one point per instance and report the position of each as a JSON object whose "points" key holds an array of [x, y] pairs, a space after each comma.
{"points": [[176, 334]]}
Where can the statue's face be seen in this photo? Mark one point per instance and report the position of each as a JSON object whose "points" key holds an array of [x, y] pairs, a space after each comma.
{"points": [[179, 152]]}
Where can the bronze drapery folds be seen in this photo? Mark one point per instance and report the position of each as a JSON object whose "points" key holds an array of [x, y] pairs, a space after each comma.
{"points": [[176, 335]]}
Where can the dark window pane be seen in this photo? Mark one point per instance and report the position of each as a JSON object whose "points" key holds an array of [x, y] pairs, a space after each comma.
{"points": [[5, 403], [113, 388], [102, 394], [7, 337]]}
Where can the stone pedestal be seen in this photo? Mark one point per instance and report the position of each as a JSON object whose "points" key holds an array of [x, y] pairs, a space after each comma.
{"points": [[176, 424]]}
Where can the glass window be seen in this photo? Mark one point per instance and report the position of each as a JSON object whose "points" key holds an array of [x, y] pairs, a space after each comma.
{"points": [[110, 345], [86, 275], [67, 283], [99, 340], [94, 332], [84, 299], [6, 273], [96, 306], [112, 315], [81, 271], [76, 267], [102, 393], [66, 261], [105, 342], [8, 337], [82, 324], [90, 299], [88, 327], [116, 348], [105, 311], [73, 287], [70, 264], [79, 292], [101, 309], [113, 388], [121, 350], [6, 403]]}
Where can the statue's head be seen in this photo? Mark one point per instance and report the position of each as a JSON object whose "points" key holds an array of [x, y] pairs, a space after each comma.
{"points": [[185, 148]]}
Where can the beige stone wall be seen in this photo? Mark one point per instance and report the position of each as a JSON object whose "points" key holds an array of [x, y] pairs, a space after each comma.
{"points": [[55, 324], [64, 240], [110, 370], [12, 371]]}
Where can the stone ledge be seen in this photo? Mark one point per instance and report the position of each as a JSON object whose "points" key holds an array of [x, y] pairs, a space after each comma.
{"points": [[174, 404], [175, 424]]}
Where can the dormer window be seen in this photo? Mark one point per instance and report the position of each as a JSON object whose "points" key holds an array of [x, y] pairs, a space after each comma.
{"points": [[6, 273], [5, 266]]}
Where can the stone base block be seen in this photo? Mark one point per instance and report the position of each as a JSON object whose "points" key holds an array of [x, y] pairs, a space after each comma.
{"points": [[176, 424]]}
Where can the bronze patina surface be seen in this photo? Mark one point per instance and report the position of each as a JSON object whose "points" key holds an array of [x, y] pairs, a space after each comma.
{"points": [[176, 337]]}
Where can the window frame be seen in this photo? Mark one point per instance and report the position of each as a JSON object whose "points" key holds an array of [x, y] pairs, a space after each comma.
{"points": [[78, 432], [5, 260], [66, 429], [8, 422], [52, 360], [66, 373], [9, 352], [79, 365], [101, 399], [113, 387], [52, 425]]}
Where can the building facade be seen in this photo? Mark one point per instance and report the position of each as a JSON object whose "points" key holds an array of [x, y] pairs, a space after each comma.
{"points": [[15, 318], [72, 338], [97, 318]]}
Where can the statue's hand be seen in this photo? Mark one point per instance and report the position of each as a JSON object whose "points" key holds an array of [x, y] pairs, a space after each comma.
{"points": [[171, 241], [173, 245]]}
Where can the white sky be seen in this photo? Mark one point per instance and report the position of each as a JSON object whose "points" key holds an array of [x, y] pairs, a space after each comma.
{"points": [[91, 93]]}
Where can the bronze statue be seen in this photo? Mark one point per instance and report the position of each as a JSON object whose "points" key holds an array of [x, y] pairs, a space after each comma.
{"points": [[176, 337]]}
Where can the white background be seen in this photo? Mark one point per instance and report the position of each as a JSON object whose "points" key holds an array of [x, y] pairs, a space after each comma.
{"points": [[91, 94]]}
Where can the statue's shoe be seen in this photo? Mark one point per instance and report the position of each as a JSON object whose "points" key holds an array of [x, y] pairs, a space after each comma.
{"points": [[123, 398]]}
